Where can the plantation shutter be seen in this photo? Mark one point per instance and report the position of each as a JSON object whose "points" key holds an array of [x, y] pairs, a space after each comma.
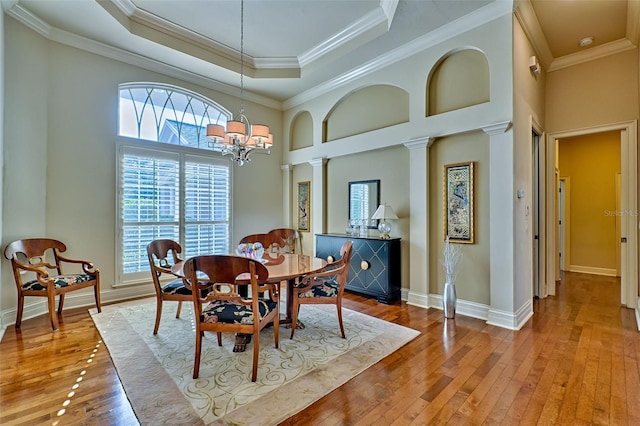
{"points": [[149, 205], [207, 185]]}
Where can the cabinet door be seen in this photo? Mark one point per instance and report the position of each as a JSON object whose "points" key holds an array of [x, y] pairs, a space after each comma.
{"points": [[369, 273], [329, 246]]}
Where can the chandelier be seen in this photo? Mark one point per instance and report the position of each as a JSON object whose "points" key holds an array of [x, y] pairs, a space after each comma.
{"points": [[240, 138]]}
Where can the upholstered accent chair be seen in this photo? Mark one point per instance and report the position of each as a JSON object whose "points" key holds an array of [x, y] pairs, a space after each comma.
{"points": [[163, 254], [223, 309], [324, 287], [37, 265]]}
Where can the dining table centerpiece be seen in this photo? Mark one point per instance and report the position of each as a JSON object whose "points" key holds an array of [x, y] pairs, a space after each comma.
{"points": [[250, 250]]}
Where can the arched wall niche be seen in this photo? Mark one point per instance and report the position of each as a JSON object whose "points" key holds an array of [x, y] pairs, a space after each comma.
{"points": [[459, 80], [301, 134], [366, 109]]}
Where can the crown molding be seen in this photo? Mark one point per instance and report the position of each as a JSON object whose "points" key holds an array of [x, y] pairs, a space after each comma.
{"points": [[92, 46], [29, 19], [531, 26], [488, 13], [159, 30], [633, 21], [597, 52], [370, 23], [154, 28], [389, 8]]}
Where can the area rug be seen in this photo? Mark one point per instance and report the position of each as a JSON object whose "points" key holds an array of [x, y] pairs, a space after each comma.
{"points": [[156, 371]]}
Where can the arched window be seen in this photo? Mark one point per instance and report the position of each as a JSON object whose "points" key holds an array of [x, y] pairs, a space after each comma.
{"points": [[170, 184]]}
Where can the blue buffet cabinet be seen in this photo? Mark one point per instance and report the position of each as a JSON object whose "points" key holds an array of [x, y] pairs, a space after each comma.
{"points": [[375, 268]]}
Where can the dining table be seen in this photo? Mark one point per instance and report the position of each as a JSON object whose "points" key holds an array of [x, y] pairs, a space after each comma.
{"points": [[282, 267]]}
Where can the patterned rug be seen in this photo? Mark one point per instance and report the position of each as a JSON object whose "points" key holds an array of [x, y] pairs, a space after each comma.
{"points": [[156, 371]]}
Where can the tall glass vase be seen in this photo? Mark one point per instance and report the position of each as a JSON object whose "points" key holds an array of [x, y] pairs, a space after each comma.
{"points": [[449, 300]]}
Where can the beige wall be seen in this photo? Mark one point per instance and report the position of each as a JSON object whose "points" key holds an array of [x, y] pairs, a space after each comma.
{"points": [[62, 143], [24, 190], [390, 166], [591, 162], [528, 110], [459, 81], [301, 131], [302, 173], [598, 92], [367, 109], [494, 40], [473, 279]]}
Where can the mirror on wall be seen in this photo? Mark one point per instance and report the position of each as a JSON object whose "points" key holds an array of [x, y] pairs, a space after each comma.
{"points": [[364, 198]]}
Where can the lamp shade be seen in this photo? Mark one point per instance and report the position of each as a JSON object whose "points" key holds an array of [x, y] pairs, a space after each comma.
{"points": [[384, 212]]}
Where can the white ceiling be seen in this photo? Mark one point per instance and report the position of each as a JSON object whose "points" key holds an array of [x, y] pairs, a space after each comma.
{"points": [[295, 48]]}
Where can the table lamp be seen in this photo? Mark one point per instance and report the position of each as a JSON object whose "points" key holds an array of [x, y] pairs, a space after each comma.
{"points": [[383, 213]]}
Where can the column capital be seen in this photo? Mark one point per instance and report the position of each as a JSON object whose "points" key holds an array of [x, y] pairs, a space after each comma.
{"points": [[419, 143], [496, 128], [318, 162]]}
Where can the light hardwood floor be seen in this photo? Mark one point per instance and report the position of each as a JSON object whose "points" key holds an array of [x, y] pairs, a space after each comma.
{"points": [[576, 362]]}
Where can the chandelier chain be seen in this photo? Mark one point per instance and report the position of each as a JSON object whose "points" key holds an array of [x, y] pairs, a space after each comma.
{"points": [[241, 57]]}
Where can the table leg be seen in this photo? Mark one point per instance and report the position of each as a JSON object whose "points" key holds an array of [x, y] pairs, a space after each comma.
{"points": [[289, 315]]}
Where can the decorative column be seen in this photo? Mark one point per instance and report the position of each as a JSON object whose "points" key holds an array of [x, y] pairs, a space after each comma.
{"points": [[419, 221], [318, 221], [287, 195], [501, 226]]}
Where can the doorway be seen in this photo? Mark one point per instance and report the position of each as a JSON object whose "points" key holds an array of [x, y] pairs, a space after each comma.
{"points": [[628, 203], [539, 289]]}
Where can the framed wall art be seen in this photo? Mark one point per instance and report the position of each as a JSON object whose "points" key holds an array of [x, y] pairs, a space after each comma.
{"points": [[458, 202], [304, 206]]}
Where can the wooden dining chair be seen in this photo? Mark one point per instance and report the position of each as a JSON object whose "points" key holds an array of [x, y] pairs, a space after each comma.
{"points": [[163, 254], [323, 287], [42, 257], [226, 310], [286, 240]]}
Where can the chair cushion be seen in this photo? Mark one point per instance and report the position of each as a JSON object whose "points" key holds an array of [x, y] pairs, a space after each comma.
{"points": [[59, 281], [176, 287], [324, 288], [233, 312]]}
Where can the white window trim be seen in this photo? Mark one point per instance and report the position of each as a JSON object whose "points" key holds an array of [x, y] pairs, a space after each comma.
{"points": [[169, 151]]}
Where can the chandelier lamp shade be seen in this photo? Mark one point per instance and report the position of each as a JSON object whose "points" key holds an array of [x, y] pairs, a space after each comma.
{"points": [[240, 138], [383, 213]]}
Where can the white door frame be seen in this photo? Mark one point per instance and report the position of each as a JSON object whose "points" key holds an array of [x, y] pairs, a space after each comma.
{"points": [[629, 207], [538, 207]]}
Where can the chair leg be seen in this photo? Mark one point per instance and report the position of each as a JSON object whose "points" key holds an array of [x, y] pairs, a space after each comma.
{"points": [[96, 293], [276, 329], [256, 353], [179, 308], [219, 338], [158, 315], [196, 363], [339, 306], [295, 310], [51, 301], [60, 304], [20, 310]]}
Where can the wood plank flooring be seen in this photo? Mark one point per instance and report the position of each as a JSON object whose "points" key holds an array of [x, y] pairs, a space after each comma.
{"points": [[576, 362]]}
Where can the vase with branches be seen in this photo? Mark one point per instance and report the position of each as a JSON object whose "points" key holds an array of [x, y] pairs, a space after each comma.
{"points": [[451, 256]]}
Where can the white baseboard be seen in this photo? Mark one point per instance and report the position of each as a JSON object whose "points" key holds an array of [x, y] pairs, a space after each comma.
{"points": [[510, 320], [463, 307], [420, 300], [593, 270], [404, 294], [36, 306]]}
